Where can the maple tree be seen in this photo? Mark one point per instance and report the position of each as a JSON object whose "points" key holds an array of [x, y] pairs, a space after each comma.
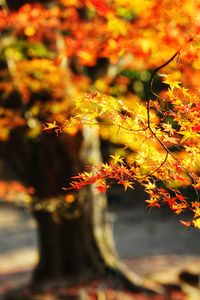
{"points": [[122, 70]]}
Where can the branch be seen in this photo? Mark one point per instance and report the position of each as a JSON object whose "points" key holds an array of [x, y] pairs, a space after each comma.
{"points": [[151, 86], [149, 120]]}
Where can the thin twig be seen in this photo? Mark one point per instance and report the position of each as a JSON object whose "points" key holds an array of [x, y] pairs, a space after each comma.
{"points": [[149, 119], [154, 171], [151, 85]]}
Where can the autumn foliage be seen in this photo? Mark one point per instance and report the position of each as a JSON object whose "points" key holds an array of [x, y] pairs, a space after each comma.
{"points": [[146, 103]]}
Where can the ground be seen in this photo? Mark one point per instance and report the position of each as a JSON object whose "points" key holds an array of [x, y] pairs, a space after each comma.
{"points": [[155, 245]]}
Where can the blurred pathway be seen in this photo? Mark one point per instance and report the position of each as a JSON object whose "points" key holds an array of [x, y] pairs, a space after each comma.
{"points": [[18, 245], [156, 238]]}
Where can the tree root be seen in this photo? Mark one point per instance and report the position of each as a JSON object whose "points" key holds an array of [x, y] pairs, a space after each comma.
{"points": [[133, 282]]}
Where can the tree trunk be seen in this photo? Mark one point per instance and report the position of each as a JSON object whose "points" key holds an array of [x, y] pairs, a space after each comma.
{"points": [[69, 241], [75, 240]]}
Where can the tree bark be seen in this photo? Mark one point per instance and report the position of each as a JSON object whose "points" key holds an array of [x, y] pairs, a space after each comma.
{"points": [[76, 242]]}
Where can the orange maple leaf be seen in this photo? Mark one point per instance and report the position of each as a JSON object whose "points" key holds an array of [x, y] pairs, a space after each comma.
{"points": [[50, 126], [186, 223], [127, 184], [153, 201]]}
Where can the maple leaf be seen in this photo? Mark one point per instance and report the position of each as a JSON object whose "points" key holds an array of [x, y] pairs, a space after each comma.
{"points": [[101, 185], [75, 185], [153, 201], [186, 223], [196, 223], [170, 200], [171, 82], [178, 207], [149, 185], [86, 176], [196, 212], [107, 169], [117, 158], [50, 126], [127, 184], [168, 128], [195, 204]]}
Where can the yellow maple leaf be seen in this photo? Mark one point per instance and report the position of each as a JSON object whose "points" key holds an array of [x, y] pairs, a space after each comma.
{"points": [[150, 185], [168, 128], [173, 84], [196, 223], [117, 158], [196, 212]]}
